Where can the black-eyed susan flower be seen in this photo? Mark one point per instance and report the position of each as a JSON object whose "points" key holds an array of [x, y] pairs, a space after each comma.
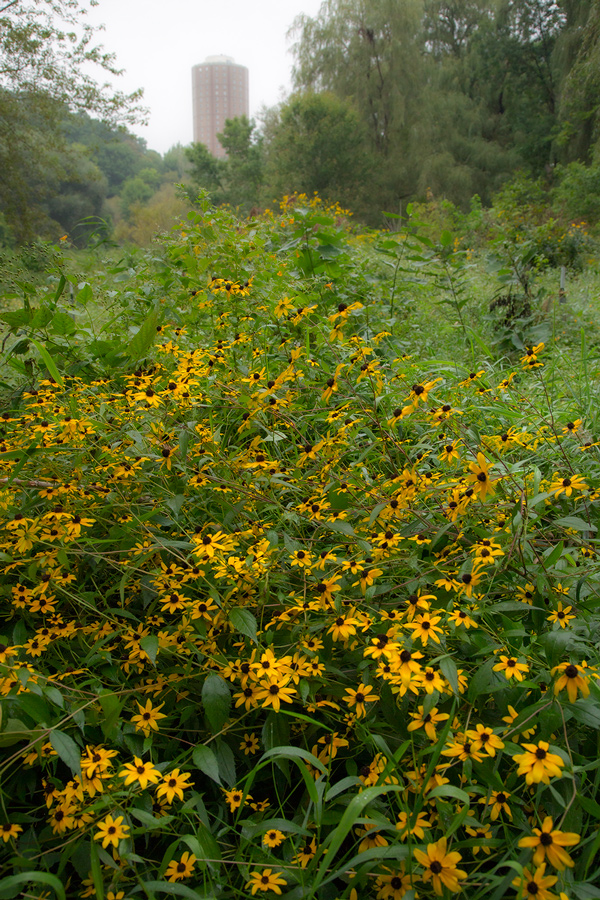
{"points": [[480, 477], [481, 833], [511, 667], [440, 867], [267, 880], [424, 627], [549, 845], [111, 831], [305, 852], [572, 679], [9, 830], [371, 837], [180, 868], [566, 484], [173, 785], [498, 803], [483, 738], [147, 719], [535, 886], [415, 826], [250, 744], [427, 721], [275, 691], [393, 885], [273, 838], [538, 764], [359, 698], [463, 749], [144, 773], [561, 616], [343, 628]]}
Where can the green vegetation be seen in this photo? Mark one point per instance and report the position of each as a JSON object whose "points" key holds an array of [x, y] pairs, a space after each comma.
{"points": [[298, 516], [300, 565], [393, 103]]}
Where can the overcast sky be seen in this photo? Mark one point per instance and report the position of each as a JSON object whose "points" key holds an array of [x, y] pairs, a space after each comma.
{"points": [[158, 41]]}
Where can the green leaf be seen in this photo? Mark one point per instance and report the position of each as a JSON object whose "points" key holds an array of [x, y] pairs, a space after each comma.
{"points": [[49, 363], [173, 888], [210, 849], [244, 622], [586, 711], [450, 673], [97, 879], [12, 881], [351, 814], [226, 761], [448, 790], [205, 760], [67, 750], [111, 706], [13, 732], [575, 523], [145, 337], [482, 679], [217, 700], [63, 324], [149, 645]]}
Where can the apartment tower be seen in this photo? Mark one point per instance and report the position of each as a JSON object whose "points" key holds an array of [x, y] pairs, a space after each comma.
{"points": [[219, 92]]}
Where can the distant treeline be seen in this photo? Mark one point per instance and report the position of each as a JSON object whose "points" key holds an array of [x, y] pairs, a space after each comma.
{"points": [[394, 101]]}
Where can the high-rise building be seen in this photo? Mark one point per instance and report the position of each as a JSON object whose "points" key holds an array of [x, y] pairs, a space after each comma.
{"points": [[219, 92]]}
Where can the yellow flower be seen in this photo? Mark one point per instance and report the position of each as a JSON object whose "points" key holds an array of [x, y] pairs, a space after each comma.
{"points": [[427, 721], [273, 838], [484, 739], [562, 616], [480, 478], [535, 887], [173, 785], [537, 764], [275, 690], [142, 772], [8, 831], [267, 880], [146, 721], [440, 867], [425, 627], [111, 831], [359, 698], [573, 679], [567, 485], [549, 845], [249, 744], [511, 667], [183, 868]]}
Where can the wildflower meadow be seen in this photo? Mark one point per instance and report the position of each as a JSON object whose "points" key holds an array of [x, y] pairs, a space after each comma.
{"points": [[289, 608]]}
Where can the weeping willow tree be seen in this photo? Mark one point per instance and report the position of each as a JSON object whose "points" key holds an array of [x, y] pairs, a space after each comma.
{"points": [[454, 95], [368, 53], [580, 107]]}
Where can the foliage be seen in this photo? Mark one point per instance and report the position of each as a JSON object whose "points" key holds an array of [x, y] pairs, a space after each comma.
{"points": [[46, 56], [290, 609], [315, 145]]}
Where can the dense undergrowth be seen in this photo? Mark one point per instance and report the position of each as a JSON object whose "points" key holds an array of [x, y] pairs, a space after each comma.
{"points": [[289, 608]]}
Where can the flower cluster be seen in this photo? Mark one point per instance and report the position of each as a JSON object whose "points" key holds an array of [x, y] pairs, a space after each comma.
{"points": [[286, 607]]}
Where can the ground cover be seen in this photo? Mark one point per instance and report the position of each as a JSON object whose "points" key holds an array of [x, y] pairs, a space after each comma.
{"points": [[291, 608]]}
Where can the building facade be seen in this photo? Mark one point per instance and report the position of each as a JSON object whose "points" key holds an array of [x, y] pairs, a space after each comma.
{"points": [[219, 92]]}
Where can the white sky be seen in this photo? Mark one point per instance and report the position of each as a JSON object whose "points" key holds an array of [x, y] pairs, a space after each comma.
{"points": [[158, 41]]}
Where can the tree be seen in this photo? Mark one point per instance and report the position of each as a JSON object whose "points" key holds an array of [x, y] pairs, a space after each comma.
{"points": [[46, 51], [580, 104], [243, 172], [206, 171], [317, 143]]}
